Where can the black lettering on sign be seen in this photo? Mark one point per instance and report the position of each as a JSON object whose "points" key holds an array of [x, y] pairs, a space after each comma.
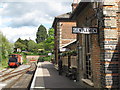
{"points": [[91, 30]]}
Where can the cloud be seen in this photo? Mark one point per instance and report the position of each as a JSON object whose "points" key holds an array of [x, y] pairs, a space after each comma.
{"points": [[31, 14], [24, 16], [35, 1], [23, 32]]}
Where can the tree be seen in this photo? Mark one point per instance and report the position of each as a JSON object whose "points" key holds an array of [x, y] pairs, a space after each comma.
{"points": [[51, 32], [22, 44], [32, 46], [19, 40], [41, 34], [25, 42], [40, 45], [49, 42], [5, 46]]}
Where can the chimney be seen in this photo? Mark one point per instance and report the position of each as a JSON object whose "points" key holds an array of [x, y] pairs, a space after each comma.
{"points": [[74, 4]]}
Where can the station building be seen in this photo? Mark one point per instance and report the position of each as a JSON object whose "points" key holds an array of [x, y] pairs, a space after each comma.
{"points": [[98, 63], [97, 26], [63, 33]]}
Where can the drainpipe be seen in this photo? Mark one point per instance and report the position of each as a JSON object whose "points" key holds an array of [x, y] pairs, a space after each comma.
{"points": [[79, 48]]}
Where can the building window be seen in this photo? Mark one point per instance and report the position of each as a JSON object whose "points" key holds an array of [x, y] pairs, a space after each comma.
{"points": [[88, 74]]}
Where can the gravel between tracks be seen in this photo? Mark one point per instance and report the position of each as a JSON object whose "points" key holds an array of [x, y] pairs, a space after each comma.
{"points": [[22, 81], [24, 76]]}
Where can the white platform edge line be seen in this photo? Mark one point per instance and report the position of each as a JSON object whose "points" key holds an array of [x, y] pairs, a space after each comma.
{"points": [[33, 82]]}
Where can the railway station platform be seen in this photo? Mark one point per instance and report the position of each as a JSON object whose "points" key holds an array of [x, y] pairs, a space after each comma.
{"points": [[47, 77]]}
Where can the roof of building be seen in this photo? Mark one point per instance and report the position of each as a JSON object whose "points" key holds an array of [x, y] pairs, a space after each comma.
{"points": [[62, 17], [65, 47], [70, 43], [66, 15]]}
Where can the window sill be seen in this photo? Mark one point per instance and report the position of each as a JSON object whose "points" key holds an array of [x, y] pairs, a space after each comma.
{"points": [[89, 82]]}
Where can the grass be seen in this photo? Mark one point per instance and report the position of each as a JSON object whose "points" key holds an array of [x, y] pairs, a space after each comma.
{"points": [[4, 63], [24, 59]]}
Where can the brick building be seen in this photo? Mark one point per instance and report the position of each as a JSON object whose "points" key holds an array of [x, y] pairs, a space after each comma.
{"points": [[63, 32], [99, 64]]}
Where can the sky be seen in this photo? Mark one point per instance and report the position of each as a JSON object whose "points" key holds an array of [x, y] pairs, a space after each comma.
{"points": [[21, 18]]}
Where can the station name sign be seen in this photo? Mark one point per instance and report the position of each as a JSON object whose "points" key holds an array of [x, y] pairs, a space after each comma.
{"points": [[91, 30]]}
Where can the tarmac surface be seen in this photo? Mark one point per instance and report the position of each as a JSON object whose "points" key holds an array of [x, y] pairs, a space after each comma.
{"points": [[47, 77]]}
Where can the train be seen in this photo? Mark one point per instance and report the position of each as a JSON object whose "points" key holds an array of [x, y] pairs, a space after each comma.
{"points": [[15, 60]]}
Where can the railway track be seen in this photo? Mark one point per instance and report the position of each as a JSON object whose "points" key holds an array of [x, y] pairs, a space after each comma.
{"points": [[11, 76], [7, 71]]}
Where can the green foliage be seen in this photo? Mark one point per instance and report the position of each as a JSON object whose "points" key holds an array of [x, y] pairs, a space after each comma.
{"points": [[5, 49], [22, 44], [24, 58], [46, 42], [49, 42], [41, 59], [47, 58], [51, 32], [5, 62], [40, 46], [69, 53], [5, 46], [41, 34], [72, 53], [32, 45]]}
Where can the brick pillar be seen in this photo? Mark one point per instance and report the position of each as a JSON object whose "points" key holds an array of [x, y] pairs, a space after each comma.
{"points": [[109, 47], [118, 24]]}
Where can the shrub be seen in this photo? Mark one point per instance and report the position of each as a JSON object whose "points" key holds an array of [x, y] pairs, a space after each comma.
{"points": [[41, 59]]}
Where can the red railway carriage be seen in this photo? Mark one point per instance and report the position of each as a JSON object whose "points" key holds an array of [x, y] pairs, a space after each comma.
{"points": [[15, 60]]}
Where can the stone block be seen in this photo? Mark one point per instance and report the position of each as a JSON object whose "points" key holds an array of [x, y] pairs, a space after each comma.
{"points": [[109, 2], [110, 34], [109, 13], [110, 22], [110, 9]]}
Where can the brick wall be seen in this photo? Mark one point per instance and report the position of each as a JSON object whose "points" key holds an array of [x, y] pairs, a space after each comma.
{"points": [[87, 19], [95, 57], [105, 62], [118, 24], [63, 35], [67, 30], [109, 47], [66, 35]]}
